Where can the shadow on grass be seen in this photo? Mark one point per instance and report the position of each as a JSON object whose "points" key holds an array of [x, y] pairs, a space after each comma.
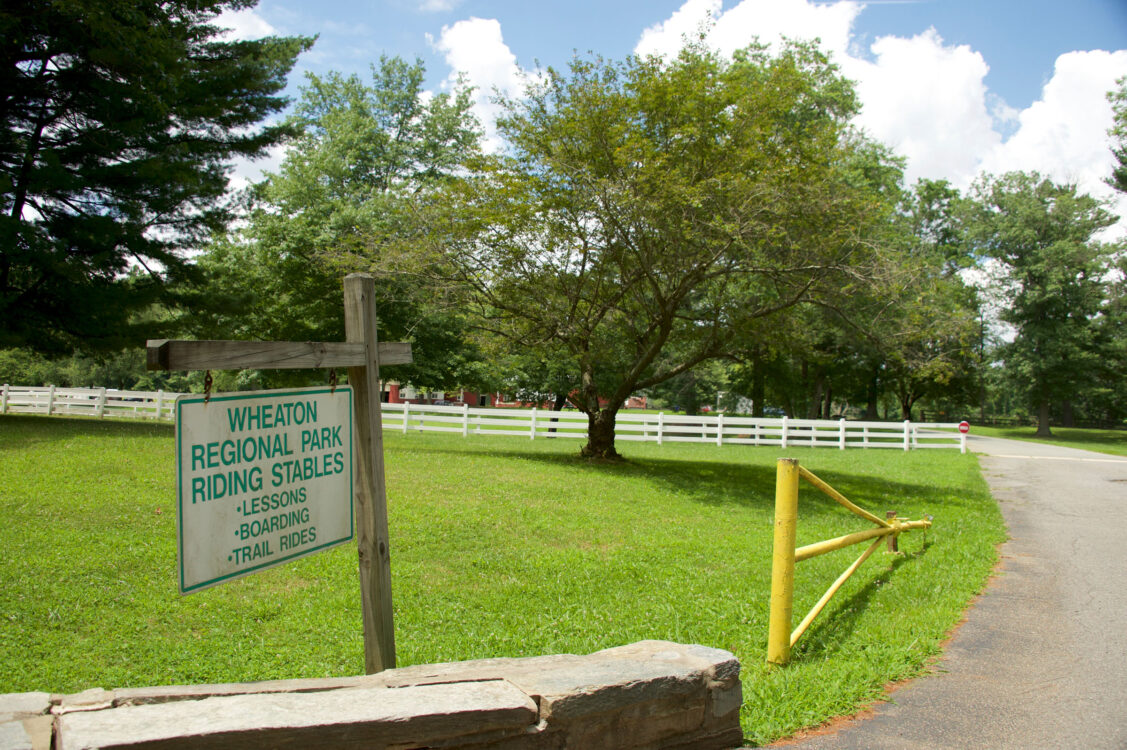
{"points": [[720, 482], [19, 431], [834, 624]]}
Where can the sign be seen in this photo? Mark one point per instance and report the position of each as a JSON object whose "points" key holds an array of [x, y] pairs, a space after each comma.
{"points": [[964, 427], [263, 478]]}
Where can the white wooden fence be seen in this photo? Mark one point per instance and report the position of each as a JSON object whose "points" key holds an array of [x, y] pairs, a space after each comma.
{"points": [[88, 402], [669, 428], [537, 423]]}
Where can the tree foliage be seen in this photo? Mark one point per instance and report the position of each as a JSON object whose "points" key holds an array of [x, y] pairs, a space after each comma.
{"points": [[119, 123], [364, 152], [649, 212], [1042, 235]]}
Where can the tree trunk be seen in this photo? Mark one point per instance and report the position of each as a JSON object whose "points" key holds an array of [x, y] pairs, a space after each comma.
{"points": [[871, 394], [1066, 416], [906, 404], [561, 401], [600, 435], [828, 412], [1043, 420], [814, 408], [758, 384], [690, 399], [804, 392]]}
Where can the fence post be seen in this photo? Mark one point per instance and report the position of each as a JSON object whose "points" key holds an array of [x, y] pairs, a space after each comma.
{"points": [[100, 407], [720, 429], [660, 425], [907, 435], [50, 399], [841, 435], [532, 425], [782, 565], [406, 415], [160, 404], [465, 420], [784, 436], [4, 399]]}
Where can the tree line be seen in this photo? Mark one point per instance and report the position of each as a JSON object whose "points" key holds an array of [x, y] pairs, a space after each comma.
{"points": [[689, 228]]}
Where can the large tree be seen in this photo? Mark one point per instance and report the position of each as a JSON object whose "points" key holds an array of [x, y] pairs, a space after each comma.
{"points": [[1042, 235], [649, 211], [364, 151], [120, 120]]}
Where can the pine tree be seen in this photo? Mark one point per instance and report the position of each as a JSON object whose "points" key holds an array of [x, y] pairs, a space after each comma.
{"points": [[120, 120]]}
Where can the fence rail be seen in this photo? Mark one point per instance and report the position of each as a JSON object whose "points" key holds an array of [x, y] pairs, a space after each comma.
{"points": [[659, 428], [721, 429], [87, 402]]}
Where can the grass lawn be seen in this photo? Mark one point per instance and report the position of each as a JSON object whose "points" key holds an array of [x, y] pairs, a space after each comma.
{"points": [[500, 547], [1100, 441]]}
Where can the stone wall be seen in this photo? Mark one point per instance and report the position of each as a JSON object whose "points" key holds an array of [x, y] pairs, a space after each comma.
{"points": [[652, 694]]}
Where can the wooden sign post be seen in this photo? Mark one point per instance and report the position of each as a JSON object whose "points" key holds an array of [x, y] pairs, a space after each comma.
{"points": [[362, 354]]}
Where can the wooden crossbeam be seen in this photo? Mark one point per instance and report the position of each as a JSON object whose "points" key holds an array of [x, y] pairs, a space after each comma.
{"points": [[163, 354]]}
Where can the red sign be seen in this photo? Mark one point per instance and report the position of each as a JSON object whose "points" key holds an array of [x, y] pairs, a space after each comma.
{"points": [[964, 427]]}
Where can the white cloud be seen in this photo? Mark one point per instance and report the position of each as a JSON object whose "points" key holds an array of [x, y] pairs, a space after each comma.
{"points": [[767, 20], [476, 48], [438, 6], [928, 101], [1063, 135], [667, 37], [243, 24]]}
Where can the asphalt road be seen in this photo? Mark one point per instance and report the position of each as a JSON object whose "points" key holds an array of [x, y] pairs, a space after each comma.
{"points": [[1041, 661]]}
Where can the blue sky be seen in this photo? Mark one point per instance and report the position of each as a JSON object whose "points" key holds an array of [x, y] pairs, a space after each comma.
{"points": [[958, 87]]}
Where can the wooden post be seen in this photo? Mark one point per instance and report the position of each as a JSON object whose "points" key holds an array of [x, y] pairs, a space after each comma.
{"points": [[893, 545], [361, 353], [372, 538]]}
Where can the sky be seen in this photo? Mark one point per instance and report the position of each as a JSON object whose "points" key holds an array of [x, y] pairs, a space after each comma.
{"points": [[957, 87]]}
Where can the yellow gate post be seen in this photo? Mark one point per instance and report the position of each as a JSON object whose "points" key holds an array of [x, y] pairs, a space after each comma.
{"points": [[782, 565], [780, 638]]}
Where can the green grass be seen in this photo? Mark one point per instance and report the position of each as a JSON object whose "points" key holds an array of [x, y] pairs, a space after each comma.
{"points": [[500, 547], [1113, 442]]}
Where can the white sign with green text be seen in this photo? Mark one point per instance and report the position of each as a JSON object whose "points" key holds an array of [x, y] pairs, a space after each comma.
{"points": [[263, 478]]}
